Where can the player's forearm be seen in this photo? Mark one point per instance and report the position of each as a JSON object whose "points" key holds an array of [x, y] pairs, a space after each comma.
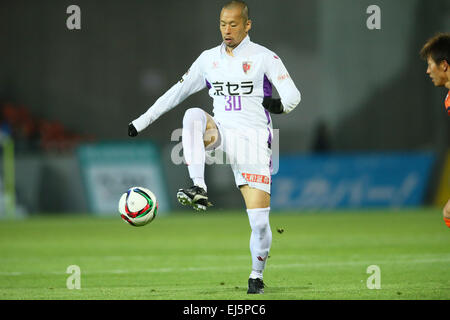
{"points": [[290, 100], [165, 103], [278, 106], [272, 105], [144, 120]]}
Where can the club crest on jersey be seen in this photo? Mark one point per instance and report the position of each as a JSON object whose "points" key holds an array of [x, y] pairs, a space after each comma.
{"points": [[246, 65]]}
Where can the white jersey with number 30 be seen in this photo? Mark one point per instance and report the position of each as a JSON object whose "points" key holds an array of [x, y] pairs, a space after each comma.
{"points": [[236, 83]]}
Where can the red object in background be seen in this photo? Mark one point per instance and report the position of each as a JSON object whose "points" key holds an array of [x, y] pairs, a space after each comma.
{"points": [[51, 135]]}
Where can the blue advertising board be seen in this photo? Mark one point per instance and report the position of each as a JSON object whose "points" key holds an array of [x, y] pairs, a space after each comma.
{"points": [[351, 180], [110, 168]]}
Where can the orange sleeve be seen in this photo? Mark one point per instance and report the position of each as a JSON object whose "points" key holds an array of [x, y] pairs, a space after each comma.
{"points": [[447, 222], [447, 103]]}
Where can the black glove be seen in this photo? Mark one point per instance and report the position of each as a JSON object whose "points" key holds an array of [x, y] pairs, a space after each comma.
{"points": [[273, 105], [132, 132]]}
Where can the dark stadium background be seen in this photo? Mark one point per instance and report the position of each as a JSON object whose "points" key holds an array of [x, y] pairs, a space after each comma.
{"points": [[367, 88]]}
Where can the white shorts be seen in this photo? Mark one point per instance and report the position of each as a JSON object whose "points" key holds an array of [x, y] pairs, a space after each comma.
{"points": [[249, 154]]}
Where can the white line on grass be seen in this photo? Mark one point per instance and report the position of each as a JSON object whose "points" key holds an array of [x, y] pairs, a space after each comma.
{"points": [[242, 267]]}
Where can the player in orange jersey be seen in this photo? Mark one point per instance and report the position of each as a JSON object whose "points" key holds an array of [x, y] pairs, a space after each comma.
{"points": [[437, 54]]}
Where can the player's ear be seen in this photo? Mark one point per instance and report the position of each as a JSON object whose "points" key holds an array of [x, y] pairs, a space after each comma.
{"points": [[444, 65], [248, 25]]}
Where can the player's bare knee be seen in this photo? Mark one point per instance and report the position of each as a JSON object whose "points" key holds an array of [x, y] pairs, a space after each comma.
{"points": [[255, 198], [211, 135], [446, 210]]}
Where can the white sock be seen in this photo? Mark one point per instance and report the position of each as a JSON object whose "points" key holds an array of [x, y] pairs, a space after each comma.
{"points": [[256, 275], [200, 182], [260, 239], [194, 126]]}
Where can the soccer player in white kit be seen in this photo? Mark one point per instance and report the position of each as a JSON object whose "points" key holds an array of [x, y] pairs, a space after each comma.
{"points": [[239, 75]]}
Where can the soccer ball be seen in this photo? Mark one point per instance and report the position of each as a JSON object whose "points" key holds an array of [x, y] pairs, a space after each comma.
{"points": [[138, 206]]}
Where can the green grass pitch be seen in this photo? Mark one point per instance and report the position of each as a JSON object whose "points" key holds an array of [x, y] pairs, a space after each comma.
{"points": [[193, 256]]}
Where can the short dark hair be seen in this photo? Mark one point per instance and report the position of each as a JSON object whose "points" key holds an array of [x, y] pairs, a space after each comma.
{"points": [[239, 3], [438, 48]]}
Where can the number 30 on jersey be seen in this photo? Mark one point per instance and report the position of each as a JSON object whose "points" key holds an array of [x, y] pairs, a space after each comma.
{"points": [[233, 103]]}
